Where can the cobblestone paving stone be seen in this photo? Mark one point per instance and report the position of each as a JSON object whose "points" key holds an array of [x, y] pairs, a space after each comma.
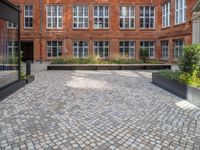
{"points": [[111, 110]]}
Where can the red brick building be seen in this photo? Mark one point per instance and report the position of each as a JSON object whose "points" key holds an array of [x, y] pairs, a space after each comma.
{"points": [[105, 28]]}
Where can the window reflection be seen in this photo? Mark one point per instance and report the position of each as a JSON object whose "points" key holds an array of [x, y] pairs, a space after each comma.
{"points": [[9, 48]]}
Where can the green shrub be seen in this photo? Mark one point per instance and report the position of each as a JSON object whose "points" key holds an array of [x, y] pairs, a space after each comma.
{"points": [[171, 75], [58, 61], [99, 61], [191, 79], [190, 60], [189, 65], [186, 78], [154, 62], [144, 54]]}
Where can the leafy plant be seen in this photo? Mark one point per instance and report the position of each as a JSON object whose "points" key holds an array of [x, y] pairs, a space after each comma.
{"points": [[144, 54], [62, 60], [171, 75], [58, 61], [189, 65], [22, 72], [190, 59]]}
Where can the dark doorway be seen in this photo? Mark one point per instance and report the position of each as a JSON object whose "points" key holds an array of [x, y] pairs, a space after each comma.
{"points": [[27, 51]]}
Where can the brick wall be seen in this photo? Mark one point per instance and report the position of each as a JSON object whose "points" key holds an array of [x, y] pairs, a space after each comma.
{"points": [[114, 34]]}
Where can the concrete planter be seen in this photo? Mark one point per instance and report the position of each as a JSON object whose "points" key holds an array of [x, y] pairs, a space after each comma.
{"points": [[108, 66], [30, 79], [184, 91], [8, 90]]}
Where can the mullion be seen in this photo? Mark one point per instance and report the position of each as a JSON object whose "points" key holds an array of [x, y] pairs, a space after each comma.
{"points": [[129, 17], [57, 16], [104, 16]]}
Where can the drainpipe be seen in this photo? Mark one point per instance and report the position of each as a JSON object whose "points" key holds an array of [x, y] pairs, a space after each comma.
{"points": [[41, 13]]}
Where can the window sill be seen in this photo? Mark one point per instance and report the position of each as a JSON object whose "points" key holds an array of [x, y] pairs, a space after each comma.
{"points": [[12, 28], [28, 28], [121, 29], [147, 29], [74, 29], [54, 28], [180, 24], [101, 29], [165, 28]]}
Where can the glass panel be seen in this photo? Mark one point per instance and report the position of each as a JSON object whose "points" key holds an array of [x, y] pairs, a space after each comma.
{"points": [[31, 11], [9, 48]]}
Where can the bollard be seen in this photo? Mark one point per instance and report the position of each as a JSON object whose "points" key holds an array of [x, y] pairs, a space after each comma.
{"points": [[28, 67]]}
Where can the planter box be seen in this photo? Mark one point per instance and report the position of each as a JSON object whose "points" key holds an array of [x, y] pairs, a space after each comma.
{"points": [[30, 79], [10, 89], [108, 66], [184, 91]]}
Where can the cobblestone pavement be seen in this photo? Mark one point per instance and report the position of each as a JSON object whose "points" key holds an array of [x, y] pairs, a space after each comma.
{"points": [[100, 110]]}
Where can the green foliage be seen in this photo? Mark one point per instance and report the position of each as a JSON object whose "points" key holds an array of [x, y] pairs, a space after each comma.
{"points": [[189, 65], [99, 61], [190, 59], [195, 79], [191, 79], [22, 72], [58, 61], [171, 75], [153, 62], [144, 54], [186, 78]]}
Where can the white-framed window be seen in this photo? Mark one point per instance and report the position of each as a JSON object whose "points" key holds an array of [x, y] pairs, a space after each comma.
{"points": [[127, 49], [150, 46], [127, 17], [101, 17], [180, 11], [101, 49], [11, 25], [80, 17], [178, 48], [28, 16], [54, 16], [54, 48], [80, 49], [147, 17], [166, 15], [12, 48], [165, 49]]}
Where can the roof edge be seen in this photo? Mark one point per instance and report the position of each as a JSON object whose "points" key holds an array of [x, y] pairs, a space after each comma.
{"points": [[10, 4]]}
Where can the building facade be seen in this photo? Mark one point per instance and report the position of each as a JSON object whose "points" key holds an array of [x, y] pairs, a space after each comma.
{"points": [[196, 23], [104, 28]]}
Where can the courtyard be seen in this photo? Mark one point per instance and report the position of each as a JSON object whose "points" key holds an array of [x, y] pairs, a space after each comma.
{"points": [[97, 110]]}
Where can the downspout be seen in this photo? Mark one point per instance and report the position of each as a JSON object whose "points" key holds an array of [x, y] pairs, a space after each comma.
{"points": [[19, 42], [40, 34]]}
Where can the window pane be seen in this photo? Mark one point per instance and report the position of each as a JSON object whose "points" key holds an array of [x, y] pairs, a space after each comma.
{"points": [[147, 17], [54, 48], [54, 16], [101, 17]]}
